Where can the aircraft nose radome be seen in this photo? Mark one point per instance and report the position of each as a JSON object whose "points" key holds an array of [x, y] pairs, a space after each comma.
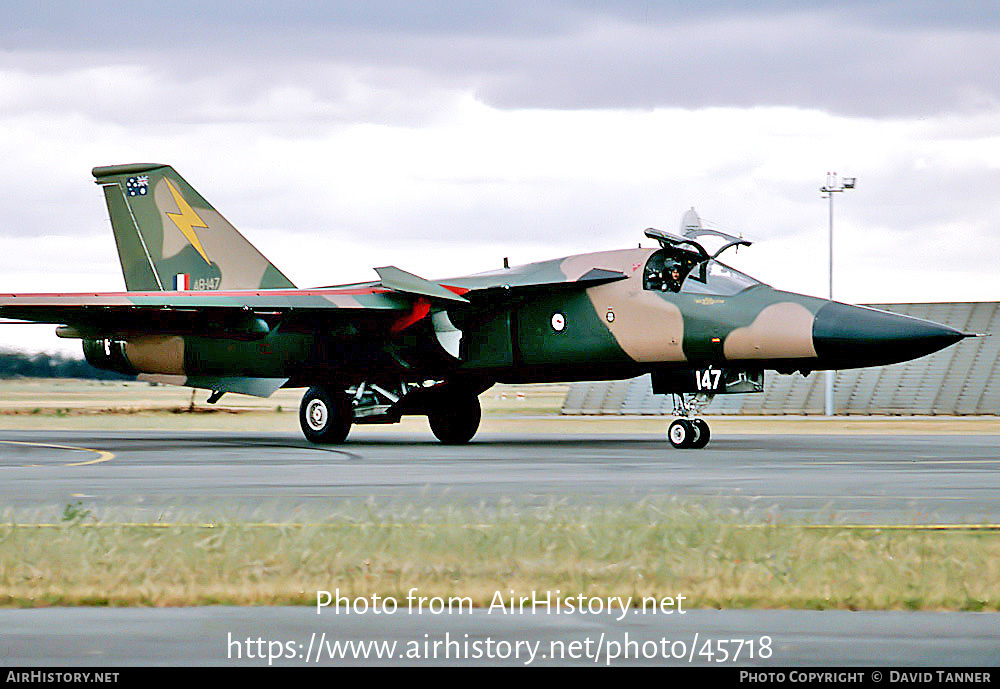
{"points": [[853, 336]]}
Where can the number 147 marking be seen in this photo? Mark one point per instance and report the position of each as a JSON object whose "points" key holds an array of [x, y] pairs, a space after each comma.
{"points": [[708, 379]]}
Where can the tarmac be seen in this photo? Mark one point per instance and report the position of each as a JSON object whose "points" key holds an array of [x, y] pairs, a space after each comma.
{"points": [[865, 479]]}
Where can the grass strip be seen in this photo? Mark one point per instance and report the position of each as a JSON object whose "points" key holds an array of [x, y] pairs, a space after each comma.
{"points": [[715, 558]]}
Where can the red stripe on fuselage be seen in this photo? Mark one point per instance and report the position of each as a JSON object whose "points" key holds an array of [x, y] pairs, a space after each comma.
{"points": [[421, 307]]}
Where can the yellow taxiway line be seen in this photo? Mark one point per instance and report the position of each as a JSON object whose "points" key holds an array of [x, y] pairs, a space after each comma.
{"points": [[102, 455]]}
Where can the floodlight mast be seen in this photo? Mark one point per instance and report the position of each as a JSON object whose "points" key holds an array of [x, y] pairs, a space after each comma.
{"points": [[834, 185]]}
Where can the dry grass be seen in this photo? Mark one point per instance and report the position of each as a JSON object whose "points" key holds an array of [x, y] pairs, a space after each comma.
{"points": [[723, 560]]}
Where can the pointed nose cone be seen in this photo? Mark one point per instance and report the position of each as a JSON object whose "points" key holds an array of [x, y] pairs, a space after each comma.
{"points": [[854, 336]]}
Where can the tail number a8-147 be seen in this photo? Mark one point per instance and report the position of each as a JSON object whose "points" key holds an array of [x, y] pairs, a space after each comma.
{"points": [[707, 379]]}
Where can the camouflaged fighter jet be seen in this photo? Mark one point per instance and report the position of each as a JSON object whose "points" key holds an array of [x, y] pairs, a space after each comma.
{"points": [[205, 309]]}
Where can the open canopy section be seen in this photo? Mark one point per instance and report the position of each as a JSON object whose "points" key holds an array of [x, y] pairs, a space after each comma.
{"points": [[686, 262], [694, 237]]}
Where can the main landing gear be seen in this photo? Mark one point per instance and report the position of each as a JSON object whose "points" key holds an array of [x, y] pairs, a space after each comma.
{"points": [[689, 433], [454, 416], [327, 413]]}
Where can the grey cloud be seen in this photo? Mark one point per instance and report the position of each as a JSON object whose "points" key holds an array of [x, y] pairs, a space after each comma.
{"points": [[795, 62], [874, 59], [121, 23]]}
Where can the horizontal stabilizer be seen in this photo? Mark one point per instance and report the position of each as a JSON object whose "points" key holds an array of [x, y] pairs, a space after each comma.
{"points": [[241, 315], [400, 281]]}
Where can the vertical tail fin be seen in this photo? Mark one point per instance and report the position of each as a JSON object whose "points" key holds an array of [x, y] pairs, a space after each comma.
{"points": [[169, 237]]}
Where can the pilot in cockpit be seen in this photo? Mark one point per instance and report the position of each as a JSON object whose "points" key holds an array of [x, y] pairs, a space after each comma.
{"points": [[673, 279], [664, 274]]}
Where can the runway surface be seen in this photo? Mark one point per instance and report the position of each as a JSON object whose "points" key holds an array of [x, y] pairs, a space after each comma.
{"points": [[863, 478], [148, 475], [298, 636]]}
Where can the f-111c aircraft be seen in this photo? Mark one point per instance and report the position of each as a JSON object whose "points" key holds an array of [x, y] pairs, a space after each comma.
{"points": [[205, 309]]}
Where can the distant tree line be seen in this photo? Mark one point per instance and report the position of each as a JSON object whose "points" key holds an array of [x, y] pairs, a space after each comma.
{"points": [[17, 364]]}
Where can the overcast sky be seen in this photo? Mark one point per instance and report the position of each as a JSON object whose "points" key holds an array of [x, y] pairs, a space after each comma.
{"points": [[441, 137]]}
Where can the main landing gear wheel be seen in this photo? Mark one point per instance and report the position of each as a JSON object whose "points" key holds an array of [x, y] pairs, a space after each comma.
{"points": [[685, 433], [325, 416], [454, 417]]}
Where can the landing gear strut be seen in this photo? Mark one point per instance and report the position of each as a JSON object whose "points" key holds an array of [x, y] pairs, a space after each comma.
{"points": [[688, 432], [326, 415]]}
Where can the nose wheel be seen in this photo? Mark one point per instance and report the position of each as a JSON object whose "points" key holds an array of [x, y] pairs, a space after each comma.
{"points": [[685, 432], [689, 434]]}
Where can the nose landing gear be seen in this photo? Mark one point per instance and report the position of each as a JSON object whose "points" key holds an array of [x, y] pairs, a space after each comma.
{"points": [[689, 433]]}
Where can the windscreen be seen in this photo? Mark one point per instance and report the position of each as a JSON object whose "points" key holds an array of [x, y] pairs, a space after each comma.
{"points": [[713, 277]]}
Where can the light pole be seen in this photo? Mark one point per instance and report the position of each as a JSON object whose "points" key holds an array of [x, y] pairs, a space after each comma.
{"points": [[834, 185]]}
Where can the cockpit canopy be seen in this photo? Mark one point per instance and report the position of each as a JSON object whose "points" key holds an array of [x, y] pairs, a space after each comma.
{"points": [[684, 265], [673, 270]]}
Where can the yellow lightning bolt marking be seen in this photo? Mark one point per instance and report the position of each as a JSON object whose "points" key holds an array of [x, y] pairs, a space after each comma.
{"points": [[187, 220]]}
